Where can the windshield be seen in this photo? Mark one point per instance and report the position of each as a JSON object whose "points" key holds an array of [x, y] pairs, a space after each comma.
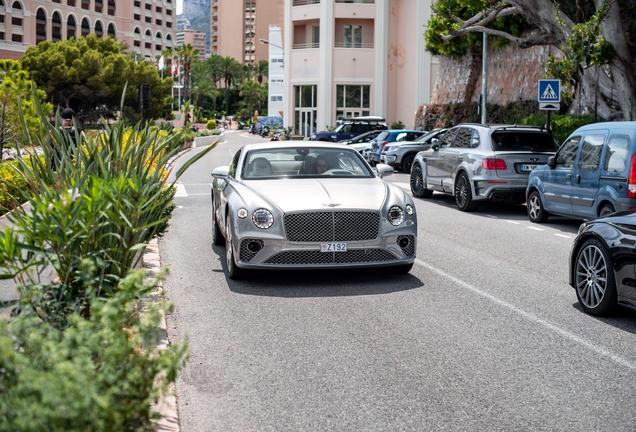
{"points": [[303, 162], [511, 140]]}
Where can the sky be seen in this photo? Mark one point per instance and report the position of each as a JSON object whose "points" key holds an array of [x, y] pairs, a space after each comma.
{"points": [[179, 6]]}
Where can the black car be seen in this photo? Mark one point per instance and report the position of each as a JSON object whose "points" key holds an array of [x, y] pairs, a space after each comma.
{"points": [[350, 128], [602, 263]]}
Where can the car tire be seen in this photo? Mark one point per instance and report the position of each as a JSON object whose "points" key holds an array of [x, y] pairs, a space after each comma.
{"points": [[536, 211], [407, 163], [217, 236], [233, 271], [607, 209], [398, 269], [417, 183], [594, 278], [464, 195]]}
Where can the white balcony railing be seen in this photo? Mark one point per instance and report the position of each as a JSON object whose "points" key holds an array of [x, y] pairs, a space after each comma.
{"points": [[306, 46], [353, 45], [304, 2]]}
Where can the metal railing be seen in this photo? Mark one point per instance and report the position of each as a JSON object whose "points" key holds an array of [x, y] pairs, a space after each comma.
{"points": [[304, 2], [356, 1], [353, 45], [306, 46]]}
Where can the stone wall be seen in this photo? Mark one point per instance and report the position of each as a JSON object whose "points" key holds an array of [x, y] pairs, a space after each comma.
{"points": [[512, 76]]}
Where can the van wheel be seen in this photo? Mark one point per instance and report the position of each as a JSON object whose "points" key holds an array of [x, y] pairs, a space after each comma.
{"points": [[417, 183], [607, 209], [463, 194], [536, 212]]}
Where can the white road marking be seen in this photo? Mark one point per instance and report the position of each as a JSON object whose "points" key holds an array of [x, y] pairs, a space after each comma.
{"points": [[535, 228], [491, 216], [564, 236], [181, 191], [566, 334], [512, 222]]}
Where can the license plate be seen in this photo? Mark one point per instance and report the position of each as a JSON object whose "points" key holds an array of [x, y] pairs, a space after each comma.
{"points": [[528, 168], [333, 247]]}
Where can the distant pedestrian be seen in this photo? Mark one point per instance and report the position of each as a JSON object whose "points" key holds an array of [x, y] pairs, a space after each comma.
{"points": [[68, 129]]}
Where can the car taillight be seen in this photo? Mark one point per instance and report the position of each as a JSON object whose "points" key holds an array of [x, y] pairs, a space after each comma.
{"points": [[494, 164], [383, 143], [631, 182]]}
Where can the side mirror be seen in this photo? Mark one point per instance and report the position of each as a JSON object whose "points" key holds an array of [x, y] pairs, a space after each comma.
{"points": [[552, 161], [435, 146], [384, 170], [221, 172], [434, 141]]}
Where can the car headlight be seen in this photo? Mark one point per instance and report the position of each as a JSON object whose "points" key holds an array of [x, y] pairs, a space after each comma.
{"points": [[263, 218], [312, 137], [396, 215], [409, 210]]}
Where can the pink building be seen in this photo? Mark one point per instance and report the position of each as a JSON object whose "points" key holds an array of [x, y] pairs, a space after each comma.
{"points": [[194, 38], [346, 58], [147, 26]]}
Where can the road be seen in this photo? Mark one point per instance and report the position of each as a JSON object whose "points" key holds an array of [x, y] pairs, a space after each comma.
{"points": [[483, 334]]}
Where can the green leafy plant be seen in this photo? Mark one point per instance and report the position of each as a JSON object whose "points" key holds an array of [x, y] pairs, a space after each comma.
{"points": [[99, 374], [397, 125], [562, 125]]}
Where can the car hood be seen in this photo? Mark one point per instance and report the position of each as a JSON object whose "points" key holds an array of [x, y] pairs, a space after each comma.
{"points": [[321, 194]]}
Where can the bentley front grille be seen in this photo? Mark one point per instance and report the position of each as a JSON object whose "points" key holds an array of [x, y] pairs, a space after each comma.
{"points": [[249, 248], [351, 256], [332, 226]]}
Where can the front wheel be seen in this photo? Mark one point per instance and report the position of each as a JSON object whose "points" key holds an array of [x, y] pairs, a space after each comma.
{"points": [[407, 163], [417, 183], [464, 195], [233, 271], [217, 236], [594, 276], [536, 211]]}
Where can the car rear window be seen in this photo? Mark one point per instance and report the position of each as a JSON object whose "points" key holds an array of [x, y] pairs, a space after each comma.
{"points": [[509, 140]]}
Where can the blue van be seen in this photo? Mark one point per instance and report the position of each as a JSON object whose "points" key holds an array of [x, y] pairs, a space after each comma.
{"points": [[592, 174]]}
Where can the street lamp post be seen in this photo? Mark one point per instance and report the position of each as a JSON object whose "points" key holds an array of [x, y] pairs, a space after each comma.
{"points": [[266, 42]]}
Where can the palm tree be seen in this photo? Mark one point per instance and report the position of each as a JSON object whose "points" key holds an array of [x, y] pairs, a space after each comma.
{"points": [[213, 64], [229, 69], [187, 54], [202, 84], [262, 70], [251, 94]]}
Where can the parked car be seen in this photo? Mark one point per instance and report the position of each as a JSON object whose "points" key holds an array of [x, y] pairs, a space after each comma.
{"points": [[603, 263], [391, 136], [363, 141], [285, 205], [593, 174], [350, 128], [401, 154], [272, 122], [475, 163]]}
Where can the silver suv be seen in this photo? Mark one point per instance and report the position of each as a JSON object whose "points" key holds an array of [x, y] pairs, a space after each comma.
{"points": [[475, 162], [401, 154]]}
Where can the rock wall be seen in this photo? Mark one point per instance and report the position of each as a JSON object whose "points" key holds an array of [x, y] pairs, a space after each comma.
{"points": [[512, 75]]}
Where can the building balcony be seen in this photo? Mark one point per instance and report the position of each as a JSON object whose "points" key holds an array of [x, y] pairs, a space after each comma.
{"points": [[356, 1], [354, 45], [305, 46]]}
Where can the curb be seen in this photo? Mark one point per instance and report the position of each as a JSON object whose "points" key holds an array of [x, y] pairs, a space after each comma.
{"points": [[167, 405]]}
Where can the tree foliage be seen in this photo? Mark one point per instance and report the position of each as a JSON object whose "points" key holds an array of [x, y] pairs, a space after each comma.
{"points": [[89, 74], [596, 37]]}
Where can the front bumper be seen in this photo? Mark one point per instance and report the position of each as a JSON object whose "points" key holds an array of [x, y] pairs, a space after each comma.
{"points": [[396, 248]]}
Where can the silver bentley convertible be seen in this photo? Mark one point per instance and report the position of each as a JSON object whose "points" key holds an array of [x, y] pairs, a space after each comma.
{"points": [[292, 205]]}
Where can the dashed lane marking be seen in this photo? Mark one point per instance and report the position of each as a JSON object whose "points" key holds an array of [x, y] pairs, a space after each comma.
{"points": [[564, 236], [181, 191], [535, 228], [512, 222], [531, 317]]}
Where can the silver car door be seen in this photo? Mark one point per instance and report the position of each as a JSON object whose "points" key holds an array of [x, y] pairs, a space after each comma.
{"points": [[452, 157], [436, 158]]}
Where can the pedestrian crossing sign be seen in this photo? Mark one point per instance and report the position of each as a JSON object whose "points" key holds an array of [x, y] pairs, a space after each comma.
{"points": [[549, 90]]}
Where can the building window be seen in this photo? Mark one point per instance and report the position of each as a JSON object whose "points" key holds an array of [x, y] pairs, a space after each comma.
{"points": [[352, 100], [149, 20], [137, 3], [305, 112], [40, 26], [159, 9], [276, 98], [111, 7], [70, 3], [148, 7], [316, 40], [99, 5], [70, 27], [158, 22], [56, 27], [16, 21], [86, 28], [86, 4], [137, 43], [352, 36], [99, 29], [1, 35], [16, 38], [137, 17]]}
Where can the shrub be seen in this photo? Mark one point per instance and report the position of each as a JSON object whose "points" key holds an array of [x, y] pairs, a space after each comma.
{"points": [[98, 374], [211, 124], [11, 186], [562, 125], [397, 125]]}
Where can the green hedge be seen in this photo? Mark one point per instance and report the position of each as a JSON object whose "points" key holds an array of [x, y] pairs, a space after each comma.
{"points": [[562, 125]]}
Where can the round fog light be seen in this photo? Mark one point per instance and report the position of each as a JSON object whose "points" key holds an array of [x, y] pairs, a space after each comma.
{"points": [[241, 213], [409, 209]]}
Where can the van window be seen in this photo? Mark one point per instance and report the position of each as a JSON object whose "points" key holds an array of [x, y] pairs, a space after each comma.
{"points": [[591, 150], [616, 156], [567, 153]]}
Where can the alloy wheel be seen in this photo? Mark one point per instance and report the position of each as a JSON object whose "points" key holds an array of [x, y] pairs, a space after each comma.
{"points": [[591, 276]]}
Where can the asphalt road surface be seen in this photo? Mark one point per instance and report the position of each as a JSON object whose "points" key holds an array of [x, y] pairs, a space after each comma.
{"points": [[483, 334]]}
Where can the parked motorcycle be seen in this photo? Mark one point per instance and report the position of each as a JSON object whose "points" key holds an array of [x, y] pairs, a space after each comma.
{"points": [[265, 131]]}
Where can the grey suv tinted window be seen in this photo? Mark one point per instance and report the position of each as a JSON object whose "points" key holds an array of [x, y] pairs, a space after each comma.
{"points": [[447, 139], [463, 138], [523, 140], [616, 156]]}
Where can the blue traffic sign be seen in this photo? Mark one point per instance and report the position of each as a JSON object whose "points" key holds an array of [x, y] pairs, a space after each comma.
{"points": [[549, 90]]}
